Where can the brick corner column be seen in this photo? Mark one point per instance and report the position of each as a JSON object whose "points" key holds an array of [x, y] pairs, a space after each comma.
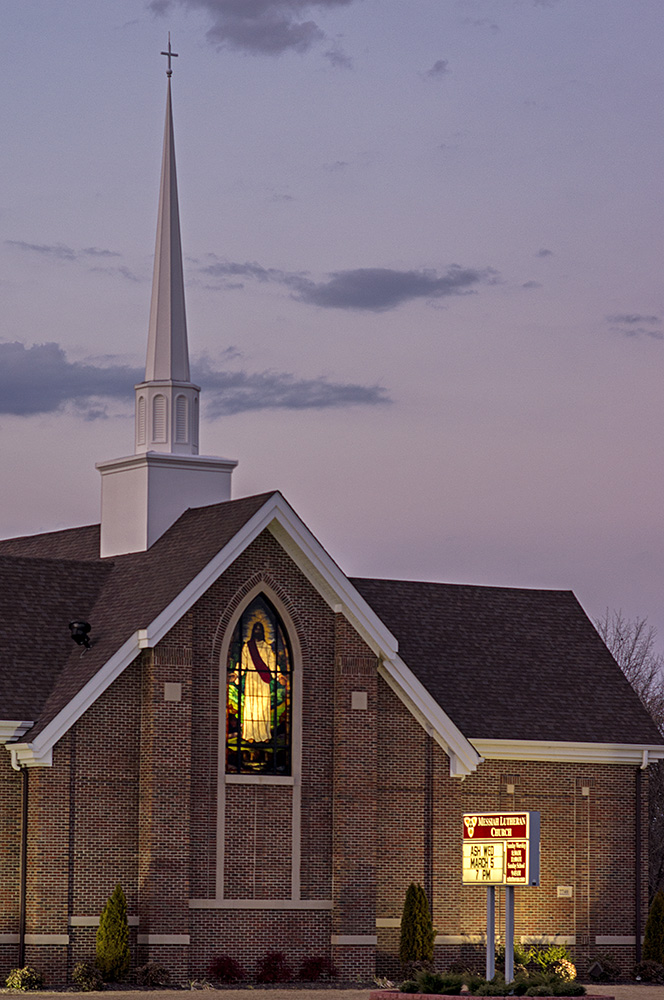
{"points": [[164, 805], [354, 837]]}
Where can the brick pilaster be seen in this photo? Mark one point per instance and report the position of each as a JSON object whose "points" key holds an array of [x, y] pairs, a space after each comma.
{"points": [[354, 804], [164, 821]]}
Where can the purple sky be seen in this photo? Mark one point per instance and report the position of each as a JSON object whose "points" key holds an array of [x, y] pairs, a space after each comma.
{"points": [[423, 252]]}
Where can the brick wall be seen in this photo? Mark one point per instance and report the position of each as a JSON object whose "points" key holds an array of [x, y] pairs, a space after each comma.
{"points": [[133, 797], [587, 842]]}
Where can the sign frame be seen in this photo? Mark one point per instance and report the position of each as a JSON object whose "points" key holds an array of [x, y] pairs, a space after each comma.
{"points": [[501, 847]]}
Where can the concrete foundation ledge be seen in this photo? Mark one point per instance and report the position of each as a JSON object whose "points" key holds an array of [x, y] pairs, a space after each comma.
{"points": [[397, 995]]}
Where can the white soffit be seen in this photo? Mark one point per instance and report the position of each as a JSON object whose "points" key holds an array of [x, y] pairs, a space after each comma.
{"points": [[335, 588], [13, 729], [636, 755]]}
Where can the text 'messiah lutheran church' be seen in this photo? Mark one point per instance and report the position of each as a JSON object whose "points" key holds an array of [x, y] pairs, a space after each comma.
{"points": [[265, 752]]}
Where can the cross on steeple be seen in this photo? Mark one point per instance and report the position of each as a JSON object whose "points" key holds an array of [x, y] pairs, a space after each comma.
{"points": [[170, 55]]}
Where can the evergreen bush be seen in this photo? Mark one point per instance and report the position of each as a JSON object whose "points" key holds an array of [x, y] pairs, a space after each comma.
{"points": [[152, 975], [417, 930], [649, 971], [653, 940], [113, 955], [87, 977], [25, 979]]}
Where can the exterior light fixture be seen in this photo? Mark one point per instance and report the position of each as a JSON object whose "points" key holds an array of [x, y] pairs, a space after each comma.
{"points": [[79, 633]]}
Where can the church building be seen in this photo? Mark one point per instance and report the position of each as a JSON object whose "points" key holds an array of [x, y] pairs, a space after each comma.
{"points": [[196, 702]]}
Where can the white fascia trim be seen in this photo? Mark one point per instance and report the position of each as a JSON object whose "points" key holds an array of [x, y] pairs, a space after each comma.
{"points": [[328, 579], [324, 574], [274, 510], [40, 752], [13, 729], [579, 753], [463, 758]]}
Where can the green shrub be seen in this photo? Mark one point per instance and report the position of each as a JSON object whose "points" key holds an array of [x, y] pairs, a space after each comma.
{"points": [[113, 955], [521, 956], [549, 958], [653, 940], [604, 969], [152, 975], [440, 982], [417, 930], [649, 971], [25, 979], [496, 987], [87, 977]]}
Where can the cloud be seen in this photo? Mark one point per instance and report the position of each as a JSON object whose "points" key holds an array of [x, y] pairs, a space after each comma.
{"points": [[41, 379], [631, 319], [482, 22], [544, 253], [229, 392], [381, 288], [367, 288], [59, 251], [636, 325], [262, 27], [531, 284], [96, 252], [438, 69], [250, 269], [338, 58]]}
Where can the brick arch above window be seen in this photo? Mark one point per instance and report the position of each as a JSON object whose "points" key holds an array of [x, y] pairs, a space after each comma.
{"points": [[277, 595]]}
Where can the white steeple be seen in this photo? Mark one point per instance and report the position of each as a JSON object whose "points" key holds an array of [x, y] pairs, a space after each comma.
{"points": [[143, 494], [167, 403]]}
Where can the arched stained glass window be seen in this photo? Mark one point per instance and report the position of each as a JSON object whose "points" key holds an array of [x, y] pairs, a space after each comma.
{"points": [[259, 694]]}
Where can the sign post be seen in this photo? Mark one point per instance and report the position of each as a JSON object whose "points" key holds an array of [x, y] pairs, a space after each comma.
{"points": [[509, 933], [490, 931], [501, 848]]}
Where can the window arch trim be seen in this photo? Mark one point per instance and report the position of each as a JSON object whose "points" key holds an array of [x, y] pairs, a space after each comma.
{"points": [[229, 619], [228, 622]]}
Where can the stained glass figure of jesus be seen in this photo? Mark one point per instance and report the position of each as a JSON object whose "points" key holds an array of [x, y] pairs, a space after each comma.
{"points": [[258, 708], [259, 662]]}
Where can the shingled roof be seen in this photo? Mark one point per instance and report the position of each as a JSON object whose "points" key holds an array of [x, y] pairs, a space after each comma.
{"points": [[41, 670], [508, 663], [502, 663]]}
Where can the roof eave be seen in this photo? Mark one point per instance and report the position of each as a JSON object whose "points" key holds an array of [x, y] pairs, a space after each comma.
{"points": [[632, 754], [334, 587]]}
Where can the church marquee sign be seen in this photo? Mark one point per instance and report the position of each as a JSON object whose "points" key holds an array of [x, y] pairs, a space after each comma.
{"points": [[501, 848]]}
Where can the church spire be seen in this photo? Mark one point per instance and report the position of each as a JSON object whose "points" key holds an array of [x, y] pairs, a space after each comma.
{"points": [[143, 494], [167, 402], [168, 355]]}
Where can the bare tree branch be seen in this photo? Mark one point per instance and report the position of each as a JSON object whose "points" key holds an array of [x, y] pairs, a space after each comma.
{"points": [[632, 643]]}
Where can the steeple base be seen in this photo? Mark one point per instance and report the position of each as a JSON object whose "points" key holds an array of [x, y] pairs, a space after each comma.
{"points": [[143, 495]]}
